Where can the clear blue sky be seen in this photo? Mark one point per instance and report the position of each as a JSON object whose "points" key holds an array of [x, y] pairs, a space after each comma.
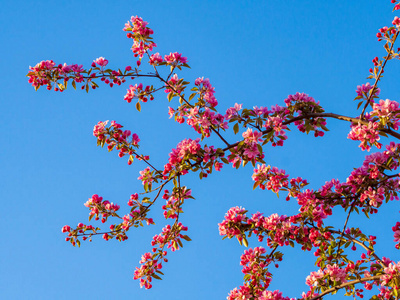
{"points": [[254, 52]]}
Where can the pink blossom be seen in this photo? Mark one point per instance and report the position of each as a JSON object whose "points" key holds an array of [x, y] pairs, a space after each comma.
{"points": [[364, 90], [175, 59], [146, 176], [312, 279], [367, 134], [99, 128], [233, 111], [66, 228], [336, 273], [155, 59], [101, 61]]}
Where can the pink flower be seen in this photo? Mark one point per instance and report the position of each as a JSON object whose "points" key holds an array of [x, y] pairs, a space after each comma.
{"points": [[312, 279], [175, 59], [99, 128], [336, 273], [146, 176], [132, 92], [233, 111], [66, 228], [365, 88], [101, 61], [155, 59]]}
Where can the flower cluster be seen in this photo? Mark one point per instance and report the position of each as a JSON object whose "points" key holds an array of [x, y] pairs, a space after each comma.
{"points": [[114, 137], [246, 293], [46, 73], [141, 35], [184, 151], [388, 113], [278, 229], [363, 91], [397, 6], [174, 86], [233, 111], [155, 59], [392, 273], [368, 135], [276, 179], [330, 272], [203, 121], [80, 229], [174, 201], [206, 91], [304, 105], [99, 207], [233, 216], [367, 187], [151, 263], [101, 61], [396, 235], [175, 59], [146, 176], [138, 92]]}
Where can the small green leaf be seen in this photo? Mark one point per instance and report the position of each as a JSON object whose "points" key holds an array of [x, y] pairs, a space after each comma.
{"points": [[256, 184], [224, 160], [180, 243], [170, 96], [191, 96], [236, 128], [186, 238], [156, 276], [138, 106], [245, 242]]}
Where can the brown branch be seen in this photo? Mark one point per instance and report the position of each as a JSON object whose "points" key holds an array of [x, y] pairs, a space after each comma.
{"points": [[343, 285], [371, 250], [323, 115], [187, 102], [379, 75]]}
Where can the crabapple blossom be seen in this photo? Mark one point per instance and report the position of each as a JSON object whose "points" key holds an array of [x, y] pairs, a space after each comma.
{"points": [[101, 61], [366, 188]]}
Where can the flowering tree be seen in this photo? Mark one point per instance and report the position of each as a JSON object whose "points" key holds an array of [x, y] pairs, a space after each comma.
{"points": [[366, 189]]}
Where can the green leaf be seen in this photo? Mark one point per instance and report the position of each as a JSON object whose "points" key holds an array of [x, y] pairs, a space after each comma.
{"points": [[236, 128], [245, 242], [180, 243], [324, 128], [224, 160], [138, 107], [256, 184], [156, 276], [186, 238], [260, 149], [237, 164], [191, 96], [74, 84], [382, 134], [170, 96]]}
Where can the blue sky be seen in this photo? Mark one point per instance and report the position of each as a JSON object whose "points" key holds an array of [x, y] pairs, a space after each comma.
{"points": [[254, 52]]}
